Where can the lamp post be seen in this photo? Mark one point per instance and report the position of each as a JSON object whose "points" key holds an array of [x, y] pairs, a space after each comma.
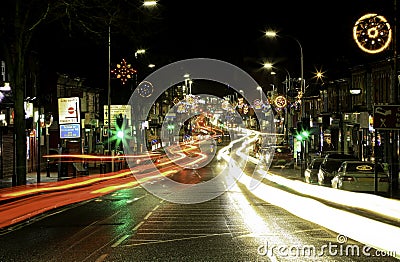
{"points": [[188, 83], [138, 52], [109, 91], [270, 66], [272, 34], [259, 88]]}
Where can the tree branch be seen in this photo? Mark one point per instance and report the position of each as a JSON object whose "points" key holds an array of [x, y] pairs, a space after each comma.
{"points": [[41, 19]]}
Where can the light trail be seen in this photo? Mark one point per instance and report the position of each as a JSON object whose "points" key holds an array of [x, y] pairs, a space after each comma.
{"points": [[54, 186], [370, 232]]}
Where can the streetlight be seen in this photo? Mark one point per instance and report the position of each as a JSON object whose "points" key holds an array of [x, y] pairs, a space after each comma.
{"points": [[140, 52], [272, 34], [319, 75], [149, 3], [188, 83], [259, 88], [287, 87], [271, 66], [109, 91], [146, 3]]}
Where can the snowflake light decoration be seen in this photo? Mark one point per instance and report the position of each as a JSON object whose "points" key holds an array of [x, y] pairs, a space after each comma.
{"points": [[123, 71], [372, 33]]}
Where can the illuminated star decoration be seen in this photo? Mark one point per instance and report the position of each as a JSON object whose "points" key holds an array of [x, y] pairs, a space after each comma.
{"points": [[123, 71]]}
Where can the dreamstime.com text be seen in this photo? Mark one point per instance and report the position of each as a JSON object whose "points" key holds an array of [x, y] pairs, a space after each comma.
{"points": [[329, 249]]}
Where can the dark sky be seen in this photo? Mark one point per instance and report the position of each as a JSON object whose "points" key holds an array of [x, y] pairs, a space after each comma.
{"points": [[233, 31]]}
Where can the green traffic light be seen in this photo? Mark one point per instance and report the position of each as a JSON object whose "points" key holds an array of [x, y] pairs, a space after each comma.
{"points": [[299, 137], [120, 134], [303, 135]]}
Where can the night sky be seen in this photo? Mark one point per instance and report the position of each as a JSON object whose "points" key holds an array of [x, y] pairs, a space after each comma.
{"points": [[233, 31]]}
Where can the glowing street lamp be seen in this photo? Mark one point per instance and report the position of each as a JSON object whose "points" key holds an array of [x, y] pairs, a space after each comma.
{"points": [[140, 52], [149, 3], [268, 65], [319, 75]]}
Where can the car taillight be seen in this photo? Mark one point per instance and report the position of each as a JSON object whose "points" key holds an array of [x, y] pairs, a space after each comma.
{"points": [[384, 179], [347, 178]]}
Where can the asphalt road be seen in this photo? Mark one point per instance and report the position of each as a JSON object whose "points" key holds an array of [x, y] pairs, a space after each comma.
{"points": [[134, 225]]}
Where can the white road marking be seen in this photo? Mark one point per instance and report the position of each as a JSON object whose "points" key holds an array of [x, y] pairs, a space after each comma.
{"points": [[120, 241], [137, 226]]}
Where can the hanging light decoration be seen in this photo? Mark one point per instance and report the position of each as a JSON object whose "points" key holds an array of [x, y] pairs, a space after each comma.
{"points": [[372, 33], [123, 71]]}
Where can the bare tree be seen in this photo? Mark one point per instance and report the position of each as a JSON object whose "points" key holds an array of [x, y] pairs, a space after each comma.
{"points": [[20, 19]]}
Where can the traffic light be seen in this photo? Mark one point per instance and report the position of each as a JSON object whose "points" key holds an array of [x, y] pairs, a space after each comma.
{"points": [[303, 131], [120, 121], [120, 128]]}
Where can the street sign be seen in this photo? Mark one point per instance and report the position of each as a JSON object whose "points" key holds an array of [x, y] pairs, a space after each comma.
{"points": [[387, 116], [70, 131], [68, 110], [115, 110]]}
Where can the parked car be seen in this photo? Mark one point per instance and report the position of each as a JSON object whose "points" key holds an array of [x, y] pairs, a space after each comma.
{"points": [[311, 172], [331, 164], [360, 176]]}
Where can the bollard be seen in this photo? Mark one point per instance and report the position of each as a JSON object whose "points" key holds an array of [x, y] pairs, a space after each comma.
{"points": [[102, 168], [48, 168]]}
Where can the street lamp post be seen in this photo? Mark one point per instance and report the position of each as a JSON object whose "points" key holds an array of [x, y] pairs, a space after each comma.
{"points": [[138, 52], [272, 34], [259, 88], [287, 87], [109, 91]]}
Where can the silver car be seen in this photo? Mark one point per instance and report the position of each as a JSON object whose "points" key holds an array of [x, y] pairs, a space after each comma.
{"points": [[360, 176]]}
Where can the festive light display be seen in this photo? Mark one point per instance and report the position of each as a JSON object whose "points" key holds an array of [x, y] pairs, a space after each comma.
{"points": [[372, 33], [123, 71], [280, 101]]}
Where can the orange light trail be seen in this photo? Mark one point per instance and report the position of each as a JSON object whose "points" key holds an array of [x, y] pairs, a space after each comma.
{"points": [[63, 187]]}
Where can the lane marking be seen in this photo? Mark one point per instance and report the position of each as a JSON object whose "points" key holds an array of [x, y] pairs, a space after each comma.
{"points": [[178, 239], [138, 225], [135, 199], [155, 208], [120, 241], [148, 215]]}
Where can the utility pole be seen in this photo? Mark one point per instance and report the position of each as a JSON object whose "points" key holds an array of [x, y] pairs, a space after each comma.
{"points": [[395, 157]]}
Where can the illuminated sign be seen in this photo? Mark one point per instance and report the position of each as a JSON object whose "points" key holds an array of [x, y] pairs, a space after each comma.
{"points": [[364, 168], [386, 116], [70, 131], [115, 110], [68, 110]]}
